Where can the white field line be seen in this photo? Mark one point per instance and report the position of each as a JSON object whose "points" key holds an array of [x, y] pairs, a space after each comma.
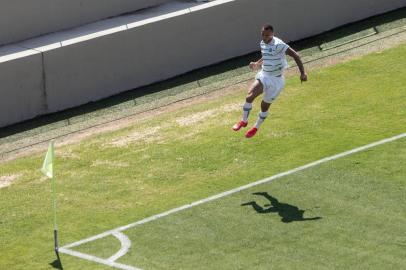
{"points": [[125, 246], [66, 250], [96, 259]]}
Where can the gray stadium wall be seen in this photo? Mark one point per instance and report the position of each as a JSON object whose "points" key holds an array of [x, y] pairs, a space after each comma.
{"points": [[21, 86], [89, 68], [22, 19]]}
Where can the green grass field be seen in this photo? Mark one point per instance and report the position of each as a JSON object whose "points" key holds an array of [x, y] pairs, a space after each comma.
{"points": [[354, 219], [116, 178]]}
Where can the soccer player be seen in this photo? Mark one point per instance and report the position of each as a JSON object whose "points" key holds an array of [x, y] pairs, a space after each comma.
{"points": [[270, 78]]}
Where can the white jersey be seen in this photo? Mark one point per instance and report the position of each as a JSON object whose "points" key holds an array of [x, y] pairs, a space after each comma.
{"points": [[274, 56]]}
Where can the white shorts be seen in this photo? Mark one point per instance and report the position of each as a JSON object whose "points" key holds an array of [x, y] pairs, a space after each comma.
{"points": [[273, 85]]}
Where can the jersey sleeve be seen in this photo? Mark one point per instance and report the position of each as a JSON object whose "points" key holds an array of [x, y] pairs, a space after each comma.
{"points": [[281, 47], [284, 46]]}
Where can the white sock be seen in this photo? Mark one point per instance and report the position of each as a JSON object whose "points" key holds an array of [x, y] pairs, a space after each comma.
{"points": [[261, 119], [246, 111]]}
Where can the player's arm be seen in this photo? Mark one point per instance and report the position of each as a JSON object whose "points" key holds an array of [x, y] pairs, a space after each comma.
{"points": [[292, 53], [256, 65]]}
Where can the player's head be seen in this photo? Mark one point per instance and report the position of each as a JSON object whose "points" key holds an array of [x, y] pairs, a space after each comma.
{"points": [[267, 33]]}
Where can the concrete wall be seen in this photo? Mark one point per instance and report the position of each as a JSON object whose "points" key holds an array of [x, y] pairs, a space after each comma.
{"points": [[89, 68], [21, 85], [299, 19], [163, 49], [22, 19]]}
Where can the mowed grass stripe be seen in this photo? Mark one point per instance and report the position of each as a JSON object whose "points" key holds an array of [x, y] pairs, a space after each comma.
{"points": [[159, 164]]}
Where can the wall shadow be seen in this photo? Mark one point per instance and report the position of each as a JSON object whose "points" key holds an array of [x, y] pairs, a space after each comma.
{"points": [[287, 212]]}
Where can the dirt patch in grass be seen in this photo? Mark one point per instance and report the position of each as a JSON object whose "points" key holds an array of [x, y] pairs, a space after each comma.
{"points": [[66, 153], [201, 116], [7, 180], [109, 163], [196, 117], [146, 135]]}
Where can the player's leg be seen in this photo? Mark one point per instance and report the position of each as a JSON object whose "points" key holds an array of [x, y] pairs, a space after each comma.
{"points": [[272, 89], [263, 114], [261, 118], [255, 90]]}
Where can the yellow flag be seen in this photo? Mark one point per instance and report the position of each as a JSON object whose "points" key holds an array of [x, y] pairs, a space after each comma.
{"points": [[47, 166]]}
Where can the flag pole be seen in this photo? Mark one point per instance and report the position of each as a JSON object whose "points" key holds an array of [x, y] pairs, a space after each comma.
{"points": [[56, 245], [48, 170]]}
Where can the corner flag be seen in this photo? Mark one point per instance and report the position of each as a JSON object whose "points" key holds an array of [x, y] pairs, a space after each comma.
{"points": [[48, 170], [47, 166]]}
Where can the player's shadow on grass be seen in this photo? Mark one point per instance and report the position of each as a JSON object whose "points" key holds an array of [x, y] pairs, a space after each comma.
{"points": [[287, 212]]}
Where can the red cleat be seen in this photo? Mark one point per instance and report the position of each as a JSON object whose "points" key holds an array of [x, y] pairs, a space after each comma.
{"points": [[250, 133], [239, 125]]}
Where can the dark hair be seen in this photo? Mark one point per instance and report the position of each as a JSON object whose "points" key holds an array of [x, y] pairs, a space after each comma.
{"points": [[267, 27]]}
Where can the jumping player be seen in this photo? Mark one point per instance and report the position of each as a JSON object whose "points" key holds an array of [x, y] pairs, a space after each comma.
{"points": [[269, 79]]}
